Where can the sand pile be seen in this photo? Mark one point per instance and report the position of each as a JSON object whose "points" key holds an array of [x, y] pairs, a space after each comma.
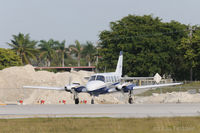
{"points": [[13, 79], [174, 97]]}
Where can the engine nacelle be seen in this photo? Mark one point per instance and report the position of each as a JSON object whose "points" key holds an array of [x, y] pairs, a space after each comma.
{"points": [[119, 87], [71, 86], [125, 87]]}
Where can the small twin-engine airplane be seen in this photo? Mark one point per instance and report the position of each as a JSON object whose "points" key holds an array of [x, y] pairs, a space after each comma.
{"points": [[104, 83]]}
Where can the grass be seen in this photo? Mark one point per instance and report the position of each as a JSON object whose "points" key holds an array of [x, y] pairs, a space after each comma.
{"points": [[101, 125], [183, 88]]}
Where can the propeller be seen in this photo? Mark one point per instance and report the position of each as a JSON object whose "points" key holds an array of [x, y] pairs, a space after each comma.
{"points": [[74, 93]]}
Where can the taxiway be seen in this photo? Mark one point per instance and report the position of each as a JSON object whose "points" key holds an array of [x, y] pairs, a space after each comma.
{"points": [[100, 110]]}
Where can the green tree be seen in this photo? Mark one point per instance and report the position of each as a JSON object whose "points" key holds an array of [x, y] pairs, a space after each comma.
{"points": [[24, 47], [62, 51], [77, 49], [8, 58], [190, 47], [47, 49], [89, 51], [149, 45]]}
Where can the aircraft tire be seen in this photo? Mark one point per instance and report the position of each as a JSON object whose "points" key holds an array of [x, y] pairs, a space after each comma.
{"points": [[76, 101], [130, 100], [92, 101]]}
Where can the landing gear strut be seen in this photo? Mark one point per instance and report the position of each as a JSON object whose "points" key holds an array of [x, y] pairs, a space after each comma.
{"points": [[130, 99], [76, 99], [92, 100]]}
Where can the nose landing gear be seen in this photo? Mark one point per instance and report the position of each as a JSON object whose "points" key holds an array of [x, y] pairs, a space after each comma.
{"points": [[130, 99], [92, 100], [76, 99]]}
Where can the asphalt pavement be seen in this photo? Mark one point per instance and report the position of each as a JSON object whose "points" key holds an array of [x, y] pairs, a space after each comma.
{"points": [[100, 110]]}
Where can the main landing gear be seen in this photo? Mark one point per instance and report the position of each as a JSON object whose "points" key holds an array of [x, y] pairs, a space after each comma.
{"points": [[130, 99], [76, 99], [92, 100]]}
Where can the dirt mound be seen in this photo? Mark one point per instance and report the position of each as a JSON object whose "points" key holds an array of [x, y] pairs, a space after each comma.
{"points": [[174, 97], [13, 79]]}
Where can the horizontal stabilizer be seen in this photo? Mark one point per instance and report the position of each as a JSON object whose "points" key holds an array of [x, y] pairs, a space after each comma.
{"points": [[45, 88]]}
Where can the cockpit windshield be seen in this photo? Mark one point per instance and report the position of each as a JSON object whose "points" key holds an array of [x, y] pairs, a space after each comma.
{"points": [[92, 78], [98, 77]]}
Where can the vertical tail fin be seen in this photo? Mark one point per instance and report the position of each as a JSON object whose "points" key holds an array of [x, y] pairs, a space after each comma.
{"points": [[119, 64]]}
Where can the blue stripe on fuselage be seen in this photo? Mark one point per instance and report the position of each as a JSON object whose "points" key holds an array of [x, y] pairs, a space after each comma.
{"points": [[80, 89], [129, 87], [102, 90], [116, 83]]}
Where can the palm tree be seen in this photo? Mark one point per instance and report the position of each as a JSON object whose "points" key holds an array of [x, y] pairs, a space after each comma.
{"points": [[89, 52], [60, 47], [47, 50], [24, 47], [77, 49]]}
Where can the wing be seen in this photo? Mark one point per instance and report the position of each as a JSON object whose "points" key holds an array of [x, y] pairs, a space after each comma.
{"points": [[155, 86], [70, 88], [129, 87], [45, 88], [136, 78]]}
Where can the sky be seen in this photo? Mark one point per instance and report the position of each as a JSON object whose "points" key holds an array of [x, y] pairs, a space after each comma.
{"points": [[83, 20]]}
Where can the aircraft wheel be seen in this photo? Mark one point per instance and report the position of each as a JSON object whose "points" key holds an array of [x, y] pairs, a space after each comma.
{"points": [[76, 101], [130, 100], [92, 101]]}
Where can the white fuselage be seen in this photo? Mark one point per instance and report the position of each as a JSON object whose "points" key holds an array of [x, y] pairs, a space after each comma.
{"points": [[100, 80]]}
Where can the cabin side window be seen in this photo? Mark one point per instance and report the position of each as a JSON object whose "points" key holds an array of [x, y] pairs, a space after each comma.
{"points": [[112, 78], [115, 79], [106, 78]]}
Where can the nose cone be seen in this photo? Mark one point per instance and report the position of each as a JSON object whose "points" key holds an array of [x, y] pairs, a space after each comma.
{"points": [[94, 85]]}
